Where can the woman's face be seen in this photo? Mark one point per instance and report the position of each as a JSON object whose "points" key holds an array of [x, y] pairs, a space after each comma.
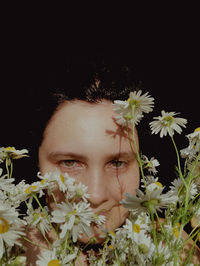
{"points": [[83, 140]]}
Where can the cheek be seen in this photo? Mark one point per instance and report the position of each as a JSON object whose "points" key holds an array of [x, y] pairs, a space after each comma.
{"points": [[130, 181]]}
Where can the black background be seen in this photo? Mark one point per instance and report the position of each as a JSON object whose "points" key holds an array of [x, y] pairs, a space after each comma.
{"points": [[162, 43], [170, 75]]}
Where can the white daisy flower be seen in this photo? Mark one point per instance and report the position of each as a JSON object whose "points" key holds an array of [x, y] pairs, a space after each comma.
{"points": [[6, 183], [12, 152], [172, 232], [120, 241], [150, 164], [99, 219], [142, 103], [177, 186], [165, 256], [192, 150], [144, 248], [49, 257], [63, 180], [35, 187], [78, 191], [188, 153], [149, 179], [18, 193], [10, 227], [167, 124], [142, 202], [136, 228], [195, 136], [75, 218], [39, 219], [19, 260]]}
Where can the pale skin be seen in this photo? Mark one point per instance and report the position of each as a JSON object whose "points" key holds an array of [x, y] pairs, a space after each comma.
{"points": [[83, 140]]}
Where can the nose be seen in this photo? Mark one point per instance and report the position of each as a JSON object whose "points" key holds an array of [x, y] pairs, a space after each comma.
{"points": [[97, 186]]}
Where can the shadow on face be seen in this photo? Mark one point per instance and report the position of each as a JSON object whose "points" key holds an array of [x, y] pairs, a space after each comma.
{"points": [[83, 140]]}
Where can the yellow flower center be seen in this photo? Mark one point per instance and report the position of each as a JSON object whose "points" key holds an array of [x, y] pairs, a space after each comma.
{"points": [[112, 233], [9, 149], [54, 263], [74, 211], [4, 225], [143, 249], [30, 189], [176, 232], [133, 102], [62, 178], [43, 181], [136, 228], [96, 216], [110, 246], [168, 120], [159, 184], [197, 129]]}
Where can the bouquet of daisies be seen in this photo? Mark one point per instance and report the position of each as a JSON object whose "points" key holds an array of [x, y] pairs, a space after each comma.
{"points": [[144, 238]]}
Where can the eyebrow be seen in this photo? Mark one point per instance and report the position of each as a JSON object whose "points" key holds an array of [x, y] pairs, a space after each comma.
{"points": [[57, 154]]}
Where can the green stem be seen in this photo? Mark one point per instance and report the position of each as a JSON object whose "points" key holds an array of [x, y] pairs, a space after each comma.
{"points": [[178, 157], [49, 244], [186, 199], [190, 176], [7, 167], [103, 251], [154, 227], [136, 147], [11, 169], [188, 259], [38, 202], [190, 237], [34, 243]]}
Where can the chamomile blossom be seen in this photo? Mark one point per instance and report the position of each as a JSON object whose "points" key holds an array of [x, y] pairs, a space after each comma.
{"points": [[78, 191], [10, 227], [164, 255], [151, 199], [167, 123], [12, 152], [39, 218], [135, 229], [64, 181], [142, 104], [150, 164], [144, 248], [6, 184], [193, 148], [75, 218], [177, 188], [49, 257], [99, 219], [195, 136]]}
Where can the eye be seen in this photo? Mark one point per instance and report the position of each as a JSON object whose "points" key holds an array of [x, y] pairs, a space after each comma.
{"points": [[69, 163], [118, 163]]}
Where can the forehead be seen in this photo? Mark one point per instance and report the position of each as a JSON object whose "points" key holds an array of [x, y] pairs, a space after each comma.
{"points": [[82, 115], [79, 123]]}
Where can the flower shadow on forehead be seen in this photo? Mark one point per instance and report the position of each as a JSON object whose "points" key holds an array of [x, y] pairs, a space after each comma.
{"points": [[121, 131]]}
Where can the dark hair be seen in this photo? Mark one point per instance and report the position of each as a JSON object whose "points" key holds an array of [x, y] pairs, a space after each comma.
{"points": [[90, 82]]}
